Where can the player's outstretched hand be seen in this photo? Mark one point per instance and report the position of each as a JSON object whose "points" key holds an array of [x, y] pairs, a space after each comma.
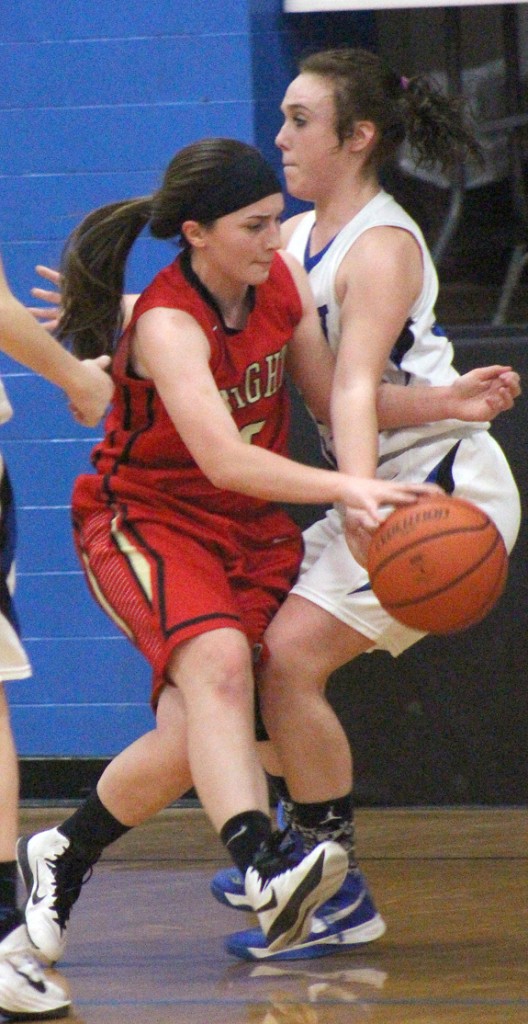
{"points": [[483, 393], [49, 316]]}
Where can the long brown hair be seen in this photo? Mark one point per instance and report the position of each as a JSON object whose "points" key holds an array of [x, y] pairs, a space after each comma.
{"points": [[366, 89], [200, 183]]}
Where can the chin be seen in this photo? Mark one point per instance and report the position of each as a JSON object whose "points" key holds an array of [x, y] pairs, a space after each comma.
{"points": [[261, 274]]}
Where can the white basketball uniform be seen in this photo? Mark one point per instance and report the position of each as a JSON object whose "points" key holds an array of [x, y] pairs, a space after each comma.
{"points": [[461, 457], [14, 662]]}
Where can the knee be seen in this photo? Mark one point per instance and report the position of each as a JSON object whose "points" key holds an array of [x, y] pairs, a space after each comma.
{"points": [[285, 673], [222, 674], [231, 681]]}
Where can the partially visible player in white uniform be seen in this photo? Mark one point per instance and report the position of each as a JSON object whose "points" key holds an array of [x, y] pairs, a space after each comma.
{"points": [[26, 992], [375, 286], [461, 457]]}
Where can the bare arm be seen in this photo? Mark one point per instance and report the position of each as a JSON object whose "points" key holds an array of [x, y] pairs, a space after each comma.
{"points": [[310, 360], [170, 347], [479, 395], [379, 280], [476, 396], [87, 386]]}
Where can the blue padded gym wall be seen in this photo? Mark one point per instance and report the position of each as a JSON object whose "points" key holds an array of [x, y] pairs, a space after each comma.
{"points": [[96, 97]]}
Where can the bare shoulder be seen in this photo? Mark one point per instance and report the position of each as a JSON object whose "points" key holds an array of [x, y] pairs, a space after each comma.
{"points": [[288, 227], [382, 250], [296, 269]]}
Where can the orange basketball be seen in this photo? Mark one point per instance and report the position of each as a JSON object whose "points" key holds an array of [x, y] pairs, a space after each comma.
{"points": [[439, 565]]}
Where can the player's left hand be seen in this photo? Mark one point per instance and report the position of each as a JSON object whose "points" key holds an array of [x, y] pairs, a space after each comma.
{"points": [[483, 393]]}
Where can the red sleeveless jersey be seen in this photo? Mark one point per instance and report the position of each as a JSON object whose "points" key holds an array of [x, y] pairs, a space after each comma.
{"points": [[142, 451]]}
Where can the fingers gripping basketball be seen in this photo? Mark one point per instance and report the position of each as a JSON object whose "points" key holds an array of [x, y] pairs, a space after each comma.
{"points": [[439, 566]]}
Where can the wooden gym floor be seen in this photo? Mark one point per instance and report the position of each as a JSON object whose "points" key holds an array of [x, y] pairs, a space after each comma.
{"points": [[146, 938]]}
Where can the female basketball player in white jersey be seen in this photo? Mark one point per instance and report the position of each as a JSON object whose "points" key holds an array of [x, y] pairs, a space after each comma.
{"points": [[375, 287]]}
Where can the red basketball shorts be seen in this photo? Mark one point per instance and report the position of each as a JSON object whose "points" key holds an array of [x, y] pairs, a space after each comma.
{"points": [[165, 576]]}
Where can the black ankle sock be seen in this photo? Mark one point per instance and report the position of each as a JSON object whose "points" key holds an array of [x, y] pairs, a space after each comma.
{"points": [[9, 915], [92, 827], [242, 836]]}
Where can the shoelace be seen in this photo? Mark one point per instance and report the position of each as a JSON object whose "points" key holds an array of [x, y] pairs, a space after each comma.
{"points": [[277, 854], [71, 872]]}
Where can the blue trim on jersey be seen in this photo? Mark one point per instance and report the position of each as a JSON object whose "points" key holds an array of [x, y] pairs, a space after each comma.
{"points": [[402, 345], [442, 474], [360, 590], [311, 261]]}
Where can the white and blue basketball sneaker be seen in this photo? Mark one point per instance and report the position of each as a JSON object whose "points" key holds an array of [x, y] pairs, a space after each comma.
{"points": [[286, 889], [228, 888], [346, 920]]}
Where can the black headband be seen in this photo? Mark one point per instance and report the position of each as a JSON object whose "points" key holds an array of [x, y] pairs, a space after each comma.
{"points": [[246, 180]]}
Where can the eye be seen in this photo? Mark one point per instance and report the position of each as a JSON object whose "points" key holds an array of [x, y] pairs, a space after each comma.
{"points": [[299, 121]]}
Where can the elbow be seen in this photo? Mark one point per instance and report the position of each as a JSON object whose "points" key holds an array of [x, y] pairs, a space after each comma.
{"points": [[223, 472]]}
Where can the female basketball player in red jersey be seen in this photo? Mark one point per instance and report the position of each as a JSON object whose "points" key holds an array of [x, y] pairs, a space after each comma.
{"points": [[176, 529]]}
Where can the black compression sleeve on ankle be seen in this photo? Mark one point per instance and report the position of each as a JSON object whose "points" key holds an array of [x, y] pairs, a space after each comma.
{"points": [[92, 826], [326, 812]]}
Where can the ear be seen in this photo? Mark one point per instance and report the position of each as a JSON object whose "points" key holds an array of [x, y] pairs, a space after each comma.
{"points": [[365, 134], [194, 233]]}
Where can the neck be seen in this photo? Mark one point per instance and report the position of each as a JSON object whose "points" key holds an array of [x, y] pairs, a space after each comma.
{"points": [[335, 210], [231, 298]]}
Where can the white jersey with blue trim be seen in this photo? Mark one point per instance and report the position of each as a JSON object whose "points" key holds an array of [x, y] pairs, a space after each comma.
{"points": [[422, 355]]}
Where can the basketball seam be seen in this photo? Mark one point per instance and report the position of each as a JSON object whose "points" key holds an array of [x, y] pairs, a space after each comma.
{"points": [[452, 582], [490, 602], [421, 540]]}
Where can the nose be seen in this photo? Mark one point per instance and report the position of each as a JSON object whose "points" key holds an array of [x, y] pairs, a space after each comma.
{"points": [[280, 140], [274, 236]]}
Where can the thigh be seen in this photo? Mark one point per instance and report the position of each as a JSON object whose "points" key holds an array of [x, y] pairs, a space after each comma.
{"points": [[306, 642], [159, 585]]}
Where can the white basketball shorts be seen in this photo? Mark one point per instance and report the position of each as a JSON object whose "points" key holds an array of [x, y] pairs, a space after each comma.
{"points": [[473, 468]]}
